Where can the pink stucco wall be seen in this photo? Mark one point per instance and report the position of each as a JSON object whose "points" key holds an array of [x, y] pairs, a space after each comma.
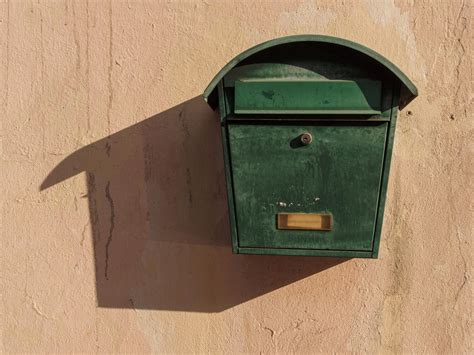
{"points": [[115, 230]]}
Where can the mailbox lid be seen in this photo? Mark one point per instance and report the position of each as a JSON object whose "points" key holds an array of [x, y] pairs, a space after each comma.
{"points": [[338, 174], [339, 97], [313, 48]]}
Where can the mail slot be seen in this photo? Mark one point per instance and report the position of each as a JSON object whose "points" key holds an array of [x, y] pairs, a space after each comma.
{"points": [[308, 126]]}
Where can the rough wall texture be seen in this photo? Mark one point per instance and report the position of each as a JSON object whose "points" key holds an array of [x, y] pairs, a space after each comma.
{"points": [[115, 231]]}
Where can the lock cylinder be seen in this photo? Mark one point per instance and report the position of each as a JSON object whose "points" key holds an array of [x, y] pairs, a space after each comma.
{"points": [[306, 138]]}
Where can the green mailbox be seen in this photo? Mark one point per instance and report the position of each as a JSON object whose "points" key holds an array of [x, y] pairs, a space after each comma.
{"points": [[308, 124]]}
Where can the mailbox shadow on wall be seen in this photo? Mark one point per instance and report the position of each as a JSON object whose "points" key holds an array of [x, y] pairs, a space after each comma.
{"points": [[159, 218]]}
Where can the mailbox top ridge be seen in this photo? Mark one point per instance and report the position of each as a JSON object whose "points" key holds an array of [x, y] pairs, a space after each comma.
{"points": [[409, 90]]}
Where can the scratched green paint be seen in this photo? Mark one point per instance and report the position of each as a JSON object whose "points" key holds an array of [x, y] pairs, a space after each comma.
{"points": [[308, 97], [338, 173]]}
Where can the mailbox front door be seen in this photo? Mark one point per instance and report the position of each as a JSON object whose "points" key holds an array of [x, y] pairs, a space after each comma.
{"points": [[336, 175]]}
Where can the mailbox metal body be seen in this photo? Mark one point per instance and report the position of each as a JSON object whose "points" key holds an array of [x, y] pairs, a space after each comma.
{"points": [[308, 124]]}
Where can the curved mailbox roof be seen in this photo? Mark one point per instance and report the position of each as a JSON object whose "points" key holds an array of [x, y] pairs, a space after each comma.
{"points": [[410, 89]]}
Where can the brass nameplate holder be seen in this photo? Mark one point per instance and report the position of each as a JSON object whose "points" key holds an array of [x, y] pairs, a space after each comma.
{"points": [[305, 221]]}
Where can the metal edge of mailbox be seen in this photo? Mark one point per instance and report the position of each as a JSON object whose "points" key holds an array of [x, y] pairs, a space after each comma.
{"points": [[228, 172], [306, 252], [386, 171], [411, 89]]}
